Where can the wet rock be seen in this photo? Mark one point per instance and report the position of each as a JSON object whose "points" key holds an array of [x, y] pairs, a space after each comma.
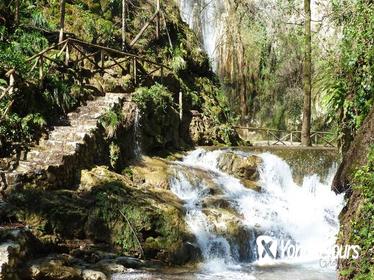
{"points": [[152, 172], [252, 185], [204, 132], [17, 243], [228, 223], [88, 274], [240, 167], [52, 269], [130, 262], [9, 256], [200, 129], [218, 201], [109, 266]]}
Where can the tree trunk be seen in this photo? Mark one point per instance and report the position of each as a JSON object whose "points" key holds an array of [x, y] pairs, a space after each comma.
{"points": [[158, 19], [305, 131], [123, 24], [16, 14], [62, 20], [241, 85]]}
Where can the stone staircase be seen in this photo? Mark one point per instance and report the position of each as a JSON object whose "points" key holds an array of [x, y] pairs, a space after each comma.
{"points": [[58, 160]]}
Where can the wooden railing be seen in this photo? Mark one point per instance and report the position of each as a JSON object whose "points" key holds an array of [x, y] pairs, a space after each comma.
{"points": [[287, 138], [81, 54], [8, 91], [75, 53]]}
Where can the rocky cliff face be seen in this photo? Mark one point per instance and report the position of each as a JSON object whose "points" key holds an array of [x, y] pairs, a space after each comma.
{"points": [[356, 155], [355, 177]]}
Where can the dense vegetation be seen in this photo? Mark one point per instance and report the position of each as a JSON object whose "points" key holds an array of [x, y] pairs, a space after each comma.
{"points": [[31, 108], [266, 46], [348, 77], [259, 81], [362, 232]]}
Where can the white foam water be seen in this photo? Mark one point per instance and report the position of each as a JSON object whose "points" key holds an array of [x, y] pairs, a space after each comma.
{"points": [[205, 17], [307, 214]]}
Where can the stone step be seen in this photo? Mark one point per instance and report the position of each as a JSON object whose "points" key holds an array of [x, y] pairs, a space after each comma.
{"points": [[60, 149], [84, 116], [43, 152], [67, 135]]}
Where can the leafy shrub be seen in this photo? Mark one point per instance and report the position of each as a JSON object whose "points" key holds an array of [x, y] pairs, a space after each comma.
{"points": [[348, 79], [111, 120], [58, 95], [15, 129], [157, 98], [363, 226], [23, 45]]}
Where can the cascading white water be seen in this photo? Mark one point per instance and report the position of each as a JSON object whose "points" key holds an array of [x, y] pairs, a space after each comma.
{"points": [[306, 214], [137, 134], [205, 17]]}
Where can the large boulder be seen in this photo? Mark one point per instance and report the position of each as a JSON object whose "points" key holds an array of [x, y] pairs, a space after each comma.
{"points": [[227, 223], [109, 209], [245, 168], [52, 269], [152, 172]]}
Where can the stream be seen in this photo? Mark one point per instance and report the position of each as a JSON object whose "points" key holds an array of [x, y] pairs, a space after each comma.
{"points": [[284, 230]]}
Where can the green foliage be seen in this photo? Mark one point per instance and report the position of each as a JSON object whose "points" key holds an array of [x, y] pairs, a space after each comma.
{"points": [[363, 225], [348, 80], [213, 101], [90, 26], [38, 20], [114, 154], [22, 45], [15, 128], [111, 120], [157, 98], [178, 62], [58, 95]]}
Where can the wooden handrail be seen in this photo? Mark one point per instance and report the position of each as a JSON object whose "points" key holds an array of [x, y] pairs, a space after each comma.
{"points": [[282, 136], [46, 50], [312, 133], [99, 47]]}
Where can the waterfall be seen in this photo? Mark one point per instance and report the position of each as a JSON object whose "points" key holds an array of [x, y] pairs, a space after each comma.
{"points": [[219, 206], [206, 18], [137, 134]]}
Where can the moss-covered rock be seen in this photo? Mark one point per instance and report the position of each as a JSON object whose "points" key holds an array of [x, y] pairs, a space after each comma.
{"points": [[108, 208], [152, 172], [240, 167]]}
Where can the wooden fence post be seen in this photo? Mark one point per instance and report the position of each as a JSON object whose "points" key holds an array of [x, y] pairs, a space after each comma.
{"points": [[180, 106], [41, 72], [62, 21], [16, 12], [11, 83], [123, 25], [102, 60], [134, 70], [67, 55], [158, 19]]}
